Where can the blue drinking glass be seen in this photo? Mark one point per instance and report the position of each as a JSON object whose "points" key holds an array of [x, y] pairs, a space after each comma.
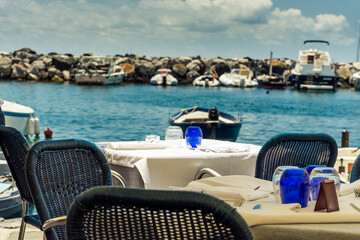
{"points": [[294, 186], [193, 136], [309, 168]]}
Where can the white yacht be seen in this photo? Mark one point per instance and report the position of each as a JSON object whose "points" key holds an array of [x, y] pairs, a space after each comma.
{"points": [[313, 69]]}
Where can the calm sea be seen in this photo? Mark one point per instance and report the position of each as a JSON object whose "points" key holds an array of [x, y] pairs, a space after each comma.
{"points": [[129, 112]]}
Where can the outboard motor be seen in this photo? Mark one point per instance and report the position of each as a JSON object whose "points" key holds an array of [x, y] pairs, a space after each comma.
{"points": [[214, 114]]}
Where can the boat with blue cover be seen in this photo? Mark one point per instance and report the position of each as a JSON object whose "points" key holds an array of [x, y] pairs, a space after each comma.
{"points": [[213, 123]]}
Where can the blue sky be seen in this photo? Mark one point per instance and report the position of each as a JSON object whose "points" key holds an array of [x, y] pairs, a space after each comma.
{"points": [[209, 28]]}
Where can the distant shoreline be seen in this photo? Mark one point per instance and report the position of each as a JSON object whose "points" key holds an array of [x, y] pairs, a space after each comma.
{"points": [[26, 65]]}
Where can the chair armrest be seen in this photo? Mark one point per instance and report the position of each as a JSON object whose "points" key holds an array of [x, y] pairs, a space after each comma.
{"points": [[207, 171], [53, 222], [118, 177]]}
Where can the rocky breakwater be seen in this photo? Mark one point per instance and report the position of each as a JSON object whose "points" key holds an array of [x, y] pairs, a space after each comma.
{"points": [[25, 64]]}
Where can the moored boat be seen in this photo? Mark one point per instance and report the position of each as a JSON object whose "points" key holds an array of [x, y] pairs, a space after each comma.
{"points": [[99, 71], [273, 81], [21, 117], [163, 77], [206, 81], [355, 81], [238, 77], [213, 123], [313, 69], [10, 200]]}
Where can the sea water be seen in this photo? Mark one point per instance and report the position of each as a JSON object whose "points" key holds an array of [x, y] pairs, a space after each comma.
{"points": [[132, 111]]}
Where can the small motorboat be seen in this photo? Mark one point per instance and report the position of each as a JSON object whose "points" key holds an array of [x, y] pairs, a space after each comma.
{"points": [[355, 81], [10, 200], [214, 124], [21, 117], [206, 81], [99, 71], [238, 77], [164, 78]]}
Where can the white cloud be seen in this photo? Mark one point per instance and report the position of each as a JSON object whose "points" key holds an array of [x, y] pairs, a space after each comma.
{"points": [[148, 22]]}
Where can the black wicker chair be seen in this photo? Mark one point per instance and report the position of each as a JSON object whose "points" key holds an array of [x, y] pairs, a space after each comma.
{"points": [[56, 172], [295, 149], [133, 213], [355, 170], [15, 147]]}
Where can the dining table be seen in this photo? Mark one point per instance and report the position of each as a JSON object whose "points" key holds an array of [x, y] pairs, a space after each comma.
{"points": [[155, 165], [268, 218]]}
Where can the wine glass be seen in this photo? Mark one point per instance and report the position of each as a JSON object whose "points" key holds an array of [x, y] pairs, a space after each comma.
{"points": [[193, 136], [173, 136]]}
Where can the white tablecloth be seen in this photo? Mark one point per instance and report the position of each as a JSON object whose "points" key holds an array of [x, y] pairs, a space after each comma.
{"points": [[164, 167]]}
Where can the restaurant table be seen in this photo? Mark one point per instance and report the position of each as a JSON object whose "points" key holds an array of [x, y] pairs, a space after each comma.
{"points": [[162, 167], [269, 219]]}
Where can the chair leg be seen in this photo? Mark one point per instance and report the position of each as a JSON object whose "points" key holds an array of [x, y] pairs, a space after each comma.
{"points": [[23, 223]]}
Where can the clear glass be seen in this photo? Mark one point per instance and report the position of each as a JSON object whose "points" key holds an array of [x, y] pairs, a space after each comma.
{"points": [[193, 136], [173, 136], [276, 180], [318, 175], [294, 186]]}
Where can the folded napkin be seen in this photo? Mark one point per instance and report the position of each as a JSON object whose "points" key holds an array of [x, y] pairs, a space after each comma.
{"points": [[349, 188], [229, 188], [133, 145], [226, 149]]}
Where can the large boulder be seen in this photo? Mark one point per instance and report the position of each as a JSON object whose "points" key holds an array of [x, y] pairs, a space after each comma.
{"points": [[344, 72], [221, 68], [63, 62], [5, 67], [18, 71], [190, 76], [194, 65], [179, 69], [52, 71], [144, 68]]}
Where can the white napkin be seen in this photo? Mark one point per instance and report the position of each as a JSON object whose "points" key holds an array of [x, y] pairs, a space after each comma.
{"points": [[229, 188], [133, 145], [349, 188]]}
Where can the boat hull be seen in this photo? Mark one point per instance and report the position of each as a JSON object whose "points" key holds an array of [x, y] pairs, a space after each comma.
{"points": [[220, 130], [17, 116], [11, 204], [314, 82]]}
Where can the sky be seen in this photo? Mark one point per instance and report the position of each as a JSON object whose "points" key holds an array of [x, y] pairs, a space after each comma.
{"points": [[209, 28]]}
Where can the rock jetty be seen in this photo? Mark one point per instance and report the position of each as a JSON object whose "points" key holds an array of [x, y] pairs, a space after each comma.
{"points": [[26, 65]]}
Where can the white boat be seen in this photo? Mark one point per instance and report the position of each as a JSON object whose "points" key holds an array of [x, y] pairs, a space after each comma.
{"points": [[163, 77], [206, 81], [99, 71], [238, 77], [10, 200], [21, 117], [355, 81], [313, 69]]}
